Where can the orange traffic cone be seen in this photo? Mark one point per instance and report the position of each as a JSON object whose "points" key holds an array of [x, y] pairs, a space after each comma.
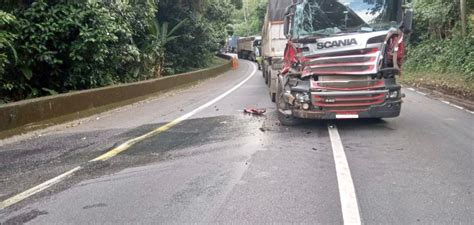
{"points": [[235, 63]]}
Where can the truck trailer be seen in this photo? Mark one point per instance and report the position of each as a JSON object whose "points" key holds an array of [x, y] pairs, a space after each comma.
{"points": [[342, 59], [249, 47], [273, 43]]}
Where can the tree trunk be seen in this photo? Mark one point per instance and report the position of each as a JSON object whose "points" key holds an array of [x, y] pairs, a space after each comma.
{"points": [[463, 17]]}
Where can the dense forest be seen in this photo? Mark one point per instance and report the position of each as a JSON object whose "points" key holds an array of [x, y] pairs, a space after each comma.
{"points": [[56, 46]]}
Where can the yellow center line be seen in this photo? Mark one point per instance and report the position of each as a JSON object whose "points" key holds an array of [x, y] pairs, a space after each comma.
{"points": [[121, 148]]}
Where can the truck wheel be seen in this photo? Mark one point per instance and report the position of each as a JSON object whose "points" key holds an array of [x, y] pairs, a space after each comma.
{"points": [[285, 120], [264, 68], [252, 57]]}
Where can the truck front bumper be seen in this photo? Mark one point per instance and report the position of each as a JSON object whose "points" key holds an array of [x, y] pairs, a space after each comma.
{"points": [[389, 109]]}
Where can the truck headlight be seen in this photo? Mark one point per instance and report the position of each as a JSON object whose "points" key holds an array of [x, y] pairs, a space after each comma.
{"points": [[305, 106], [302, 97], [393, 94]]}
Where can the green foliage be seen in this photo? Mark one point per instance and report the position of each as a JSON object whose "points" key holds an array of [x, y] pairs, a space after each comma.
{"points": [[72, 46], [249, 20], [436, 46], [159, 37], [55, 46], [455, 55], [200, 37], [238, 4], [7, 51], [434, 18]]}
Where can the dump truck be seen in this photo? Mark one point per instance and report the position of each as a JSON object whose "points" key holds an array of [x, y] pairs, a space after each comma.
{"points": [[249, 47], [342, 59], [273, 43]]}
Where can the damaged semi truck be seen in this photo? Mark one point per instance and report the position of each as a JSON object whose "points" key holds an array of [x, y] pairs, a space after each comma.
{"points": [[342, 59]]}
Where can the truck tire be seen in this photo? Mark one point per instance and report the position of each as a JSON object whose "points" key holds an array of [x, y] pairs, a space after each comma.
{"points": [[252, 57], [285, 120], [264, 68]]}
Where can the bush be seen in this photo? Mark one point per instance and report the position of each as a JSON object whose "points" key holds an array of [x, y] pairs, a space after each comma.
{"points": [[199, 38], [7, 51], [450, 56], [74, 46]]}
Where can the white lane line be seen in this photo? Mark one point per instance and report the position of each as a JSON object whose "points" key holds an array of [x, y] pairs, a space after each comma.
{"points": [[456, 106], [349, 205], [421, 93], [443, 101], [34, 190], [43, 186]]}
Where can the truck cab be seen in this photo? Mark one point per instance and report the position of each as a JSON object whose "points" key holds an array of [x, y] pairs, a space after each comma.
{"points": [[341, 59]]}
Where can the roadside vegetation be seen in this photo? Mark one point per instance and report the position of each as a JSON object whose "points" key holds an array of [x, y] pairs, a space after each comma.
{"points": [[249, 16], [56, 46], [441, 49]]}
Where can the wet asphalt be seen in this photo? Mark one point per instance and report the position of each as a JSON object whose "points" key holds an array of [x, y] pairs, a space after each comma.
{"points": [[222, 166]]}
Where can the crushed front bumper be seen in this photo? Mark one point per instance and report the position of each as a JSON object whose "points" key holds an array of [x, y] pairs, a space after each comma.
{"points": [[389, 109]]}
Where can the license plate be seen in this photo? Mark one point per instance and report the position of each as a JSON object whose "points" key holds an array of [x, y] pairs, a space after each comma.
{"points": [[347, 116]]}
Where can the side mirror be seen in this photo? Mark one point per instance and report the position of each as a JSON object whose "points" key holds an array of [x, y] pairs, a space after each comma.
{"points": [[407, 21]]}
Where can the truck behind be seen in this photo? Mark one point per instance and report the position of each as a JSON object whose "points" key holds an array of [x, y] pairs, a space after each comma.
{"points": [[249, 47], [273, 43]]}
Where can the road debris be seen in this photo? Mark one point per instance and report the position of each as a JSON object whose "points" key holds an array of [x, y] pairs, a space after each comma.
{"points": [[255, 111]]}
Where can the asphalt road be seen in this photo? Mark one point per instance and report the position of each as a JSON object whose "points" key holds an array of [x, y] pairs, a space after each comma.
{"points": [[222, 166]]}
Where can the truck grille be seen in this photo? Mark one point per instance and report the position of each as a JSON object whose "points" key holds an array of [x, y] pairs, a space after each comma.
{"points": [[352, 63], [346, 83], [347, 92], [348, 101]]}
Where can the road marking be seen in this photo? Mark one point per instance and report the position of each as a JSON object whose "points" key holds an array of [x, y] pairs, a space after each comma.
{"points": [[421, 93], [443, 101], [34, 190], [456, 106], [349, 206], [121, 148], [125, 146]]}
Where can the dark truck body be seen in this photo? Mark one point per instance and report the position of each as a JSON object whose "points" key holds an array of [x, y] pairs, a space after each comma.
{"points": [[336, 73]]}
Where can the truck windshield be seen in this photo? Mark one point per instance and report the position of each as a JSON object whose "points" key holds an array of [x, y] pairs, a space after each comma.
{"points": [[332, 17]]}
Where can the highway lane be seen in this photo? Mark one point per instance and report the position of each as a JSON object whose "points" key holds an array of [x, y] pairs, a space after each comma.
{"points": [[223, 166]]}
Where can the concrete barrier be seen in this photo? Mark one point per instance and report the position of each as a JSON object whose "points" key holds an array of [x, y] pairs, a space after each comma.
{"points": [[41, 112]]}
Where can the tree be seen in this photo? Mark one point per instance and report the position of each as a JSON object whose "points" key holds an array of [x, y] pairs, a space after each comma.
{"points": [[462, 9], [160, 37]]}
